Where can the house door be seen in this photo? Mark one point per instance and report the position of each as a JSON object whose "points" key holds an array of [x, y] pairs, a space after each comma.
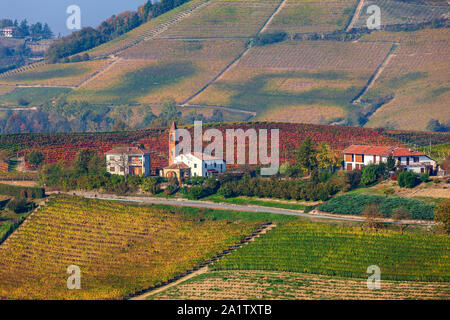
{"points": [[407, 161]]}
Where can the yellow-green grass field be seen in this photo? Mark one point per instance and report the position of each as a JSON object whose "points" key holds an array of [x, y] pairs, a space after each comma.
{"points": [[160, 69], [25, 97], [119, 248], [417, 76], [302, 16], [224, 18], [60, 74], [268, 285]]}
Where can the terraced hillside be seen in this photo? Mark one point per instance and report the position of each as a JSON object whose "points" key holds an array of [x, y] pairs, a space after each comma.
{"points": [[204, 54], [120, 249], [298, 81], [158, 69], [300, 16], [417, 77], [394, 12]]}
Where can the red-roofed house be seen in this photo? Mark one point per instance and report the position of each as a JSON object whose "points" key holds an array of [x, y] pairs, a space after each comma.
{"points": [[357, 156], [131, 161]]}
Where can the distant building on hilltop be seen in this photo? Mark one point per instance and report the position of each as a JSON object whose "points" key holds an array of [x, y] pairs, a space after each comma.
{"points": [[357, 156], [7, 32], [128, 161], [190, 164]]}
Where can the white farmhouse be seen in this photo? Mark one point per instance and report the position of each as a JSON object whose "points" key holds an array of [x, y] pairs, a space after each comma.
{"points": [[131, 161], [190, 164], [202, 165], [357, 156]]}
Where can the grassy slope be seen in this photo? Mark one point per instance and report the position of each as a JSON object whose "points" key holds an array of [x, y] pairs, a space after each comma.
{"points": [[34, 96], [67, 74]]}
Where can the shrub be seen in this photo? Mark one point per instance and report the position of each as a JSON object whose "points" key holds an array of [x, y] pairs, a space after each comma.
{"points": [[197, 192], [18, 205], [355, 204], [225, 191], [270, 37], [407, 179], [442, 215], [170, 189], [15, 191], [424, 177], [150, 185], [35, 158]]}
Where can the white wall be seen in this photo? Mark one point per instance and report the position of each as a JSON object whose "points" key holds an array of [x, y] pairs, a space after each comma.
{"points": [[198, 166]]}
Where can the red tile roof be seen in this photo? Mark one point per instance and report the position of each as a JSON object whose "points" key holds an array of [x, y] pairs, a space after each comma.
{"points": [[381, 151], [180, 165], [128, 151], [358, 149]]}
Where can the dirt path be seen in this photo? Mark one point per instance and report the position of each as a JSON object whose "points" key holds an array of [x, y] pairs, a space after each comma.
{"points": [[377, 73], [280, 7], [201, 270], [355, 15], [99, 72]]}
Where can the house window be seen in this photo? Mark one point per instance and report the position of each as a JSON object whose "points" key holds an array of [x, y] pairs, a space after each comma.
{"points": [[195, 165], [215, 165], [122, 169], [205, 165], [416, 159], [399, 159], [112, 169]]}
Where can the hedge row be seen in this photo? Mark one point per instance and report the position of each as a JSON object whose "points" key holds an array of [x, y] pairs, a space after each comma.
{"points": [[354, 204], [17, 191]]}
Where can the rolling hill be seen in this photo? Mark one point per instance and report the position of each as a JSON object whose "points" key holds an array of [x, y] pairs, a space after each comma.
{"points": [[329, 69]]}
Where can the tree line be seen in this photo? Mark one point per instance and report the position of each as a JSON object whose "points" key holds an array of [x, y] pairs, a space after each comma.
{"points": [[109, 29], [36, 31]]}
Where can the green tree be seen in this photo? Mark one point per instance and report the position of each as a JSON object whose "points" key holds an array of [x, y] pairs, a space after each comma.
{"points": [[82, 161], [169, 110], [325, 156], [369, 174], [407, 179], [306, 155], [390, 163], [35, 158], [150, 185]]}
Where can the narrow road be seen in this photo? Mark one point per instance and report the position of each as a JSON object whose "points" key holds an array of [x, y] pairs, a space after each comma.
{"points": [[227, 206]]}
